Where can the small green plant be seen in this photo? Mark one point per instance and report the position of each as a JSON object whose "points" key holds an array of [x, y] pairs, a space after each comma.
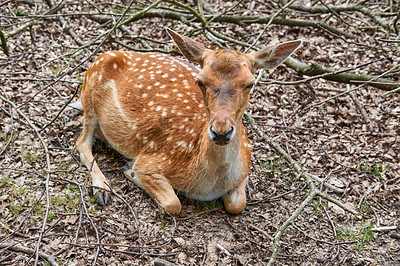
{"points": [[7, 137], [50, 217], [162, 222], [20, 12], [365, 206], [5, 182], [362, 236], [346, 233], [375, 169], [31, 156], [39, 209], [366, 233], [213, 204], [71, 188], [15, 207], [276, 166], [21, 191]]}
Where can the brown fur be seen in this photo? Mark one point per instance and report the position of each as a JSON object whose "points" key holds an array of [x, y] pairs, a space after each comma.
{"points": [[150, 109]]}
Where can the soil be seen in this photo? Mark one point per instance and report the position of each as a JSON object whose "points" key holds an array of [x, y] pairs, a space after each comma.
{"points": [[334, 140]]}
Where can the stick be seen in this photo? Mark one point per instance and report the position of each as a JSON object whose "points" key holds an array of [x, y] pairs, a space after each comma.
{"points": [[17, 248]]}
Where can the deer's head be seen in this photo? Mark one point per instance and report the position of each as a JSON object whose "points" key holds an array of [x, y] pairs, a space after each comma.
{"points": [[226, 79]]}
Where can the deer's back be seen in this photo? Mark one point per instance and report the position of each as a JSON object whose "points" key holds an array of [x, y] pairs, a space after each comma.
{"points": [[145, 103]]}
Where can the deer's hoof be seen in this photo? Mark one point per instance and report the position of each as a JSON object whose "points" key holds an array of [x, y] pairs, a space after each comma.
{"points": [[102, 197]]}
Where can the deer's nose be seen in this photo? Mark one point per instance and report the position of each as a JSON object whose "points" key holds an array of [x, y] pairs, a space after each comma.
{"points": [[221, 138]]}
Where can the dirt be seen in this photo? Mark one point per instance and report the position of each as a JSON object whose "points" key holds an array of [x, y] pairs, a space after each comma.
{"points": [[332, 140]]}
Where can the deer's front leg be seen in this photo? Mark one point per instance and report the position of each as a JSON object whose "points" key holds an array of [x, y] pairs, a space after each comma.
{"points": [[159, 189], [235, 200], [84, 147]]}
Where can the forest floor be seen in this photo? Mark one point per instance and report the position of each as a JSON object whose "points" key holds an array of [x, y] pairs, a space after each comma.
{"points": [[332, 140]]}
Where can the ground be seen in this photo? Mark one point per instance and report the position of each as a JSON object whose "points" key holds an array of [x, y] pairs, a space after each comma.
{"points": [[332, 140]]}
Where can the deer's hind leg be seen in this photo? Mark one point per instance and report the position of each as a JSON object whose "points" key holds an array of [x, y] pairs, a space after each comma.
{"points": [[129, 173], [84, 146]]}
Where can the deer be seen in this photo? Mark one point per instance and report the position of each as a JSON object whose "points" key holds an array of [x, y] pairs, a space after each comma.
{"points": [[180, 126]]}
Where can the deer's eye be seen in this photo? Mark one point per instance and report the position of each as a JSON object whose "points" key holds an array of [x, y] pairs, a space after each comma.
{"points": [[249, 87], [200, 84]]}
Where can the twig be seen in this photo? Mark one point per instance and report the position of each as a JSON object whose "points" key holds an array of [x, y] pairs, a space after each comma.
{"points": [[17, 248], [106, 35], [340, 204], [47, 172], [224, 250], [384, 228], [261, 231], [321, 240], [4, 45], [87, 215], [357, 88], [161, 262], [282, 228], [361, 109], [130, 209], [66, 27], [271, 19], [198, 214]]}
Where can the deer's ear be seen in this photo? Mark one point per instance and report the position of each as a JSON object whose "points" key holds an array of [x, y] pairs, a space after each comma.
{"points": [[272, 56], [192, 50]]}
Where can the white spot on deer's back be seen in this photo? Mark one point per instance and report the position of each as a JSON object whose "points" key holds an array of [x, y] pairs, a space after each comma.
{"points": [[181, 143], [115, 65]]}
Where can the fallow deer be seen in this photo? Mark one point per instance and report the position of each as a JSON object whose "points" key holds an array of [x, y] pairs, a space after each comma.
{"points": [[181, 126]]}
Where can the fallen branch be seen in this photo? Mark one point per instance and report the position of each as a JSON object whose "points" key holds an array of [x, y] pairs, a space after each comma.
{"points": [[314, 69], [312, 193], [17, 248]]}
